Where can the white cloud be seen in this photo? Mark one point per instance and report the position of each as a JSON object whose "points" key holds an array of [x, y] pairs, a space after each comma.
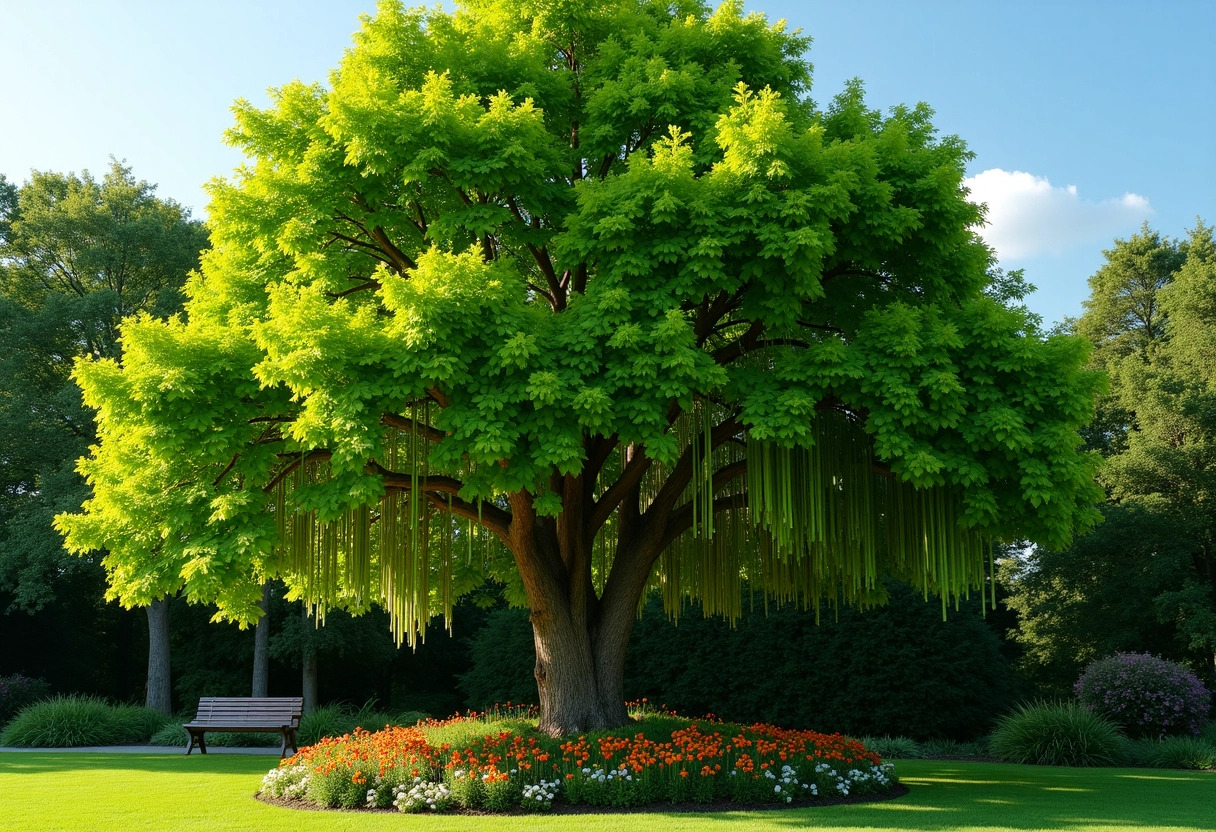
{"points": [[1027, 215]]}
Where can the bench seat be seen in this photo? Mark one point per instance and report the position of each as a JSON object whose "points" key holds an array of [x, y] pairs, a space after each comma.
{"points": [[276, 714]]}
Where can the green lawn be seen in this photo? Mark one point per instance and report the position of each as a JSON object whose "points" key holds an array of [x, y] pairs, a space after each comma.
{"points": [[45, 792]]}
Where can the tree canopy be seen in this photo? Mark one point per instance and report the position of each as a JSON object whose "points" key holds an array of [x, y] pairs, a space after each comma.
{"points": [[1145, 579], [76, 257], [588, 297]]}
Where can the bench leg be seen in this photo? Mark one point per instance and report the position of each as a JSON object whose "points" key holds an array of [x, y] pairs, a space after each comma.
{"points": [[197, 740], [289, 738]]}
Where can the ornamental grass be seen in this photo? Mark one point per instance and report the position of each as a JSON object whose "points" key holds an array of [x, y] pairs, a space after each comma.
{"points": [[498, 762]]}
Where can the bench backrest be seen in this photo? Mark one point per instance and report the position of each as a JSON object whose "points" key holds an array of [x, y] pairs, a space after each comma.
{"points": [[271, 710]]}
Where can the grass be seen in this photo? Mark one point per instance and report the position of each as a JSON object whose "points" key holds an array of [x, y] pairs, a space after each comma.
{"points": [[73, 792]]}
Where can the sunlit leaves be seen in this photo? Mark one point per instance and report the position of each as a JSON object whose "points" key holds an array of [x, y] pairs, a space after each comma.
{"points": [[512, 238]]}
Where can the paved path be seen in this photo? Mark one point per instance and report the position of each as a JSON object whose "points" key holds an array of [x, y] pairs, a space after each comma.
{"points": [[149, 749]]}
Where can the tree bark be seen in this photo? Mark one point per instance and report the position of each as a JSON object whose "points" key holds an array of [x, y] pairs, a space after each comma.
{"points": [[159, 695], [261, 647], [580, 688], [580, 639]]}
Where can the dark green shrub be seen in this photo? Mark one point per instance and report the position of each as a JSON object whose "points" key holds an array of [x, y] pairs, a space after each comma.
{"points": [[324, 721], [953, 749], [135, 724], [72, 721], [1181, 752], [173, 733], [1135, 752], [18, 692], [1146, 695], [897, 670], [337, 719], [1057, 734], [893, 748], [502, 657]]}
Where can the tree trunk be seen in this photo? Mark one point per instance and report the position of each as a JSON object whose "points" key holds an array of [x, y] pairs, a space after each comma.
{"points": [[580, 687], [159, 688], [261, 647], [309, 667], [580, 639]]}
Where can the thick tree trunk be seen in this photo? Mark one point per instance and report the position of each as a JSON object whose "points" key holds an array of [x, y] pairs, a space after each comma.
{"points": [[581, 688], [580, 639], [261, 647], [159, 688]]}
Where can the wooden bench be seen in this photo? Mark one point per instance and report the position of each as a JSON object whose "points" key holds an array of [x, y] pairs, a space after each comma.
{"points": [[279, 714]]}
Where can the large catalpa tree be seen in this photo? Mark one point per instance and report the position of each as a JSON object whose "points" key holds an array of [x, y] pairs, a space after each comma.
{"points": [[591, 298]]}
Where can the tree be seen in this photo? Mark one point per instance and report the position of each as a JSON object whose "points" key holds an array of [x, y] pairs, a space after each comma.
{"points": [[1171, 451], [76, 257], [1144, 580], [1124, 318], [1096, 597], [589, 298]]}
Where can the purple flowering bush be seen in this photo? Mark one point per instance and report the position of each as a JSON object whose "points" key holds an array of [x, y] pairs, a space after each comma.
{"points": [[1148, 696]]}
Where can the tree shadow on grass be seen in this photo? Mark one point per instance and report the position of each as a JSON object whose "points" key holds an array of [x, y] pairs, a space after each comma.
{"points": [[71, 762], [985, 795]]}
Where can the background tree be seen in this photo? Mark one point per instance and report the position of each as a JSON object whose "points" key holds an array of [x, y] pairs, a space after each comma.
{"points": [[591, 298], [1143, 580], [76, 257]]}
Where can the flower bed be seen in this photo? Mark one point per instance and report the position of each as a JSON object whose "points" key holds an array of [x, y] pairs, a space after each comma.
{"points": [[500, 763]]}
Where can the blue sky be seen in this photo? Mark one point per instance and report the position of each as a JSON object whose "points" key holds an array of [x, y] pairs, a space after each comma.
{"points": [[1086, 118]]}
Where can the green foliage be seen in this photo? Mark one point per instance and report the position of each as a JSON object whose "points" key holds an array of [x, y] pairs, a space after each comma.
{"points": [[338, 719], [893, 748], [897, 669], [324, 721], [953, 749], [1146, 695], [69, 721], [337, 788], [18, 692], [76, 257], [501, 660], [172, 733], [464, 275], [1066, 618], [1178, 752], [1124, 314], [1152, 317], [1056, 734]]}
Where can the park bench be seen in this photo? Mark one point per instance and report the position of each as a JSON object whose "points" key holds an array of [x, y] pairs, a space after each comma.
{"points": [[279, 714]]}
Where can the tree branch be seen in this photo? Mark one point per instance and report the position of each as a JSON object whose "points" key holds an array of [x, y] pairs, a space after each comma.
{"points": [[634, 470], [432, 486], [399, 258], [744, 344], [297, 461], [678, 479], [405, 423], [371, 285]]}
